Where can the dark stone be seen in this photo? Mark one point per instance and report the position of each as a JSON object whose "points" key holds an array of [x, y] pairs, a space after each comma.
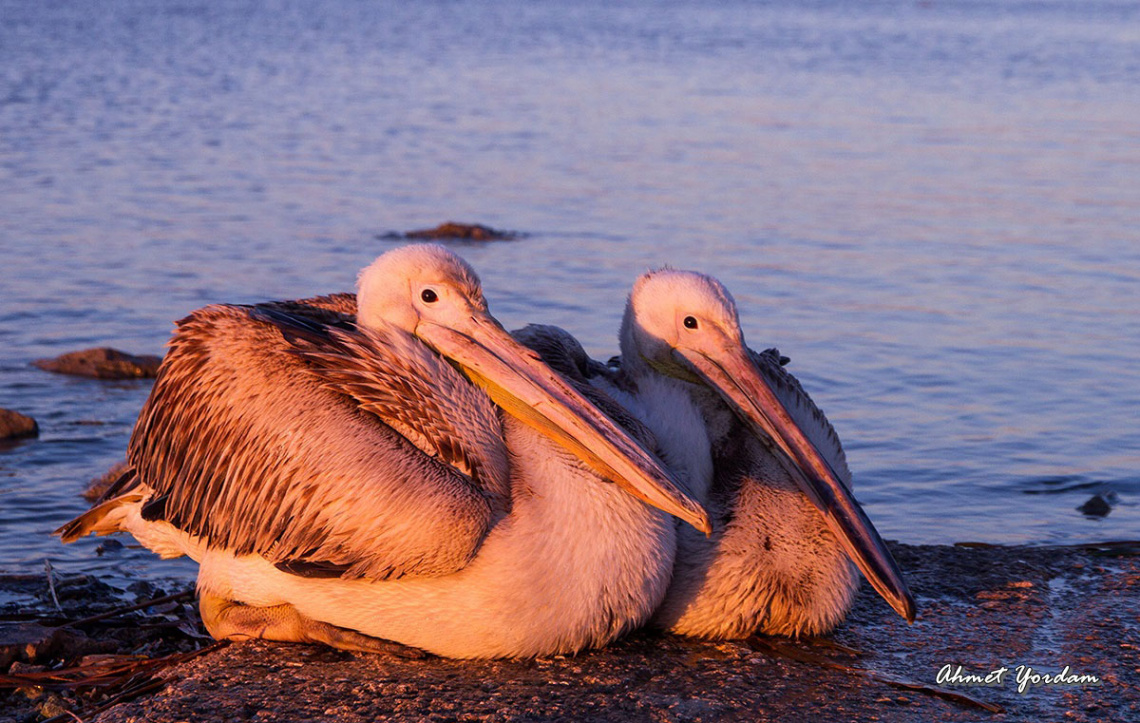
{"points": [[142, 590], [102, 363], [455, 231], [1096, 506], [110, 545], [28, 642], [14, 425]]}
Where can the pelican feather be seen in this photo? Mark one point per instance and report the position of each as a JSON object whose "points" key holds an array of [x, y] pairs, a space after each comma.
{"points": [[318, 500]]}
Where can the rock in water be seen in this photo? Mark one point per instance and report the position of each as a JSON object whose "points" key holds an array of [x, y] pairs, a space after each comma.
{"points": [[1097, 506], [99, 485], [102, 363], [452, 230], [14, 425]]}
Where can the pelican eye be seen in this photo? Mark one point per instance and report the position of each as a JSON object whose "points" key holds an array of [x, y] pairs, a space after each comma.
{"points": [[429, 296], [690, 322]]}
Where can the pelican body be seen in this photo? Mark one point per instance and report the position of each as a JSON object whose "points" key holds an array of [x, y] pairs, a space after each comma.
{"points": [[787, 534], [401, 471]]}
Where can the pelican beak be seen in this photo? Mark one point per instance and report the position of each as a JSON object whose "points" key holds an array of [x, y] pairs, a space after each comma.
{"points": [[525, 387], [741, 383]]}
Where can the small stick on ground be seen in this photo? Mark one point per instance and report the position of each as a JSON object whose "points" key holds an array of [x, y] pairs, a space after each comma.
{"points": [[184, 595], [51, 584]]}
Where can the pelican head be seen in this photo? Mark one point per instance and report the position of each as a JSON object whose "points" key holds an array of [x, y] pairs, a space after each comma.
{"points": [[431, 293], [421, 284], [685, 325]]}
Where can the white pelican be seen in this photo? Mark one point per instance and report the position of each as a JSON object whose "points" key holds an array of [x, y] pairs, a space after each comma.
{"points": [[755, 450], [345, 484]]}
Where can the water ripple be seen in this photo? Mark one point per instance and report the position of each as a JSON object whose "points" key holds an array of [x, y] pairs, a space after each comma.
{"points": [[931, 208]]}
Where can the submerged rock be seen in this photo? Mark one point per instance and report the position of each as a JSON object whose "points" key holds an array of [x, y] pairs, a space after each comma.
{"points": [[102, 363], [14, 425], [452, 230], [99, 485], [1099, 505]]}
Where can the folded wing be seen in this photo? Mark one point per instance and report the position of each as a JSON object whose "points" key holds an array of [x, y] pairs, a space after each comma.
{"points": [[285, 431]]}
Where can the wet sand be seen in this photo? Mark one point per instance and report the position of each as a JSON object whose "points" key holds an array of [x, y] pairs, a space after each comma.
{"points": [[981, 608]]}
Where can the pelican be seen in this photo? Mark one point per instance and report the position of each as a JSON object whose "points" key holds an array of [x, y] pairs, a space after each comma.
{"points": [[755, 450], [416, 476]]}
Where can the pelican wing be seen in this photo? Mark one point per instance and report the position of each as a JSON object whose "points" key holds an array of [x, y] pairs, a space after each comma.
{"points": [[266, 434], [320, 308], [398, 379]]}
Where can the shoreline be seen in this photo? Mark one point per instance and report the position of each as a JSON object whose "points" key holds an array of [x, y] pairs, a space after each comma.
{"points": [[980, 609]]}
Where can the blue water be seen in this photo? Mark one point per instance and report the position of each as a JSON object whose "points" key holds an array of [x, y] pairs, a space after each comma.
{"points": [[932, 207]]}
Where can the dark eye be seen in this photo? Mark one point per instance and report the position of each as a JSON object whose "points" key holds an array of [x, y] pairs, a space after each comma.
{"points": [[690, 322], [429, 296]]}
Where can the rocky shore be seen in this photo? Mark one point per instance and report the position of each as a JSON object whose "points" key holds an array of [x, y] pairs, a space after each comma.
{"points": [[1069, 611]]}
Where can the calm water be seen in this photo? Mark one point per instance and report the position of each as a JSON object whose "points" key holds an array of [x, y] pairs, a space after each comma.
{"points": [[932, 207]]}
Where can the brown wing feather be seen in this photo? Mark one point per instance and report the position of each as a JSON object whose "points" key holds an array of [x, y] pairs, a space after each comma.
{"points": [[324, 308], [255, 452], [395, 377]]}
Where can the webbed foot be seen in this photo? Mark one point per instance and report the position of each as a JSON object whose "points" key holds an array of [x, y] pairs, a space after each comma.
{"points": [[229, 620]]}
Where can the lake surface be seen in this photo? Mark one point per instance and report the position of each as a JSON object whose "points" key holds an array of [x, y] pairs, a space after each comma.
{"points": [[932, 207]]}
